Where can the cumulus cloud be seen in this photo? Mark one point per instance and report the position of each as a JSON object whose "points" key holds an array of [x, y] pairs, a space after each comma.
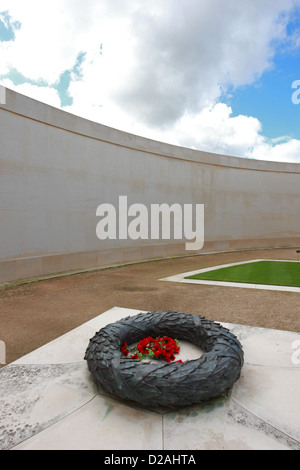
{"points": [[187, 55], [288, 151], [216, 130], [50, 36]]}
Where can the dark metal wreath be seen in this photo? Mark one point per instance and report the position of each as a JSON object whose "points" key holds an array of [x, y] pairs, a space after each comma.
{"points": [[159, 384]]}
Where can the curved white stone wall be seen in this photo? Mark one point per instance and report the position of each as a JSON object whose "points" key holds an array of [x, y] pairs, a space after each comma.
{"points": [[56, 169]]}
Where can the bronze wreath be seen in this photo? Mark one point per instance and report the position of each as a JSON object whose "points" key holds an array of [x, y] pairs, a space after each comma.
{"points": [[168, 385]]}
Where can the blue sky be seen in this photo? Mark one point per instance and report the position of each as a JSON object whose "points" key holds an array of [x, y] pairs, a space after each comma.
{"points": [[216, 76], [8, 26], [269, 98]]}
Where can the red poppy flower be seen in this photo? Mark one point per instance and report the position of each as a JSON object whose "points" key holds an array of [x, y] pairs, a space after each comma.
{"points": [[124, 349], [159, 348], [134, 356]]}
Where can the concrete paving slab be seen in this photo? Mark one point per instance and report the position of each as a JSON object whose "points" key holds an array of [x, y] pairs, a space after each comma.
{"points": [[48, 400]]}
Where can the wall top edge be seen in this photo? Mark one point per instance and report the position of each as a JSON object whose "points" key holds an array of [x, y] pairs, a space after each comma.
{"points": [[30, 108]]}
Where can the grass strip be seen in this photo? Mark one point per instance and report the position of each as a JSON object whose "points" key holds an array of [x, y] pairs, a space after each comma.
{"points": [[278, 273]]}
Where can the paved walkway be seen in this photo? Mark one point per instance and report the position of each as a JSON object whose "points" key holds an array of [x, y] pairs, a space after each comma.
{"points": [[32, 315]]}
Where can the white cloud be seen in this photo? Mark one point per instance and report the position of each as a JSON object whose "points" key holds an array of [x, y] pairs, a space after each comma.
{"points": [[216, 130], [50, 37], [188, 54], [288, 151]]}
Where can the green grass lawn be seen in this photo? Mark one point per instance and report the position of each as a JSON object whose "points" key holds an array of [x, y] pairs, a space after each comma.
{"points": [[279, 273]]}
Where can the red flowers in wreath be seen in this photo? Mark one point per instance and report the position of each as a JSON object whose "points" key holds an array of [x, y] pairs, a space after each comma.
{"points": [[154, 348]]}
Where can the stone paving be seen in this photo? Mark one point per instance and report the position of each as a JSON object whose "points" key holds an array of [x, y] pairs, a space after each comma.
{"points": [[49, 401], [34, 314]]}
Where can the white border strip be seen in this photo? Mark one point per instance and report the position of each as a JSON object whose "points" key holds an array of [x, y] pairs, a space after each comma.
{"points": [[181, 278]]}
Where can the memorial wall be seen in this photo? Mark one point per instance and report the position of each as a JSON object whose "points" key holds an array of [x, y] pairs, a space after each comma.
{"points": [[56, 169]]}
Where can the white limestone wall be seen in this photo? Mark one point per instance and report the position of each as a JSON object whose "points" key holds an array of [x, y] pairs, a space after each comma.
{"points": [[56, 169]]}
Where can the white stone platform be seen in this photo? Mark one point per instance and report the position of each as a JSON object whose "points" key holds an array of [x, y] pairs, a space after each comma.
{"points": [[48, 401]]}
